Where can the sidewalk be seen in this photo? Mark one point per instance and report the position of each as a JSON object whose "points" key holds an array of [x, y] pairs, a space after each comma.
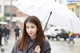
{"points": [[8, 47], [57, 46]]}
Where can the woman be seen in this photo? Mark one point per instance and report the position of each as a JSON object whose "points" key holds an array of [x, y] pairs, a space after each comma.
{"points": [[33, 39]]}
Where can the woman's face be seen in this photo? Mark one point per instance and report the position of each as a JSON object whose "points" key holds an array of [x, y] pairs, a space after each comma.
{"points": [[31, 29]]}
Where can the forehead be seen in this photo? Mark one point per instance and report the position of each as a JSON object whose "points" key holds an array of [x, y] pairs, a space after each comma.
{"points": [[30, 24]]}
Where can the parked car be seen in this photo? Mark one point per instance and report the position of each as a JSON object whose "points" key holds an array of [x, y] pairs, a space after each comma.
{"points": [[57, 32], [64, 34]]}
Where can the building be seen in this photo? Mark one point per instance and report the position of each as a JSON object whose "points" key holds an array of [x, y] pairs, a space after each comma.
{"points": [[5, 10], [74, 5]]}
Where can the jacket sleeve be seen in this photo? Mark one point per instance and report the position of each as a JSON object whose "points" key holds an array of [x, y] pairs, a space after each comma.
{"points": [[47, 47], [14, 50]]}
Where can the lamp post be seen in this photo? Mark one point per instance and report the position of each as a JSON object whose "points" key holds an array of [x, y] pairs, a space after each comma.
{"points": [[10, 22]]}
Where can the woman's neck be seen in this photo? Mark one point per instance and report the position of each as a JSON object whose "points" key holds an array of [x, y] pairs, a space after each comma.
{"points": [[33, 37]]}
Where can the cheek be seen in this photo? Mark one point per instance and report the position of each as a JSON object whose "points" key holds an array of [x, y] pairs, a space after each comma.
{"points": [[26, 30], [35, 30]]}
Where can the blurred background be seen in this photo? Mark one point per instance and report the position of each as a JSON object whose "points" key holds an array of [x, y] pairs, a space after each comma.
{"points": [[65, 17]]}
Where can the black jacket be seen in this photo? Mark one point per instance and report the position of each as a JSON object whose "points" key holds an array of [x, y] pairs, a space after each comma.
{"points": [[46, 48]]}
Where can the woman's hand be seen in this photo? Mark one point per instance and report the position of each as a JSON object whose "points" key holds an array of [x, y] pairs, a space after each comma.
{"points": [[37, 49]]}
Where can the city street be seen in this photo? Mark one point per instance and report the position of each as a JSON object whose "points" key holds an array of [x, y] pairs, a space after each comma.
{"points": [[63, 47], [57, 18], [56, 46], [8, 47]]}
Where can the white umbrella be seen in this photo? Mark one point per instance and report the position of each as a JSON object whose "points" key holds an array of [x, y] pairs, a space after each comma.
{"points": [[56, 19], [48, 5], [57, 8], [26, 4], [75, 23], [61, 15]]}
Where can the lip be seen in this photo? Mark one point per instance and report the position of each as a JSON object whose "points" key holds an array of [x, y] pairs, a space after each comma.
{"points": [[30, 33]]}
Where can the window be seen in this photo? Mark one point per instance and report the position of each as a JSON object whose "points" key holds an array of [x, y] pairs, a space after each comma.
{"points": [[7, 9], [56, 29], [78, 11], [73, 9]]}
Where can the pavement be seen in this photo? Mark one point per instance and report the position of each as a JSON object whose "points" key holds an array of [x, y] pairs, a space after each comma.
{"points": [[7, 48], [56, 46], [63, 46]]}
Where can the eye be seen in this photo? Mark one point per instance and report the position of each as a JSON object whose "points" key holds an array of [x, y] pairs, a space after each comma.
{"points": [[27, 27], [32, 27]]}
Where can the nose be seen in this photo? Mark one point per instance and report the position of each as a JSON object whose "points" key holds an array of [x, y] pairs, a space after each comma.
{"points": [[29, 29]]}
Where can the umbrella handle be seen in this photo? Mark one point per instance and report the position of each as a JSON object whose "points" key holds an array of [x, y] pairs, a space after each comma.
{"points": [[47, 21]]}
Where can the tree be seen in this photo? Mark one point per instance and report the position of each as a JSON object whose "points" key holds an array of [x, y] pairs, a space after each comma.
{"points": [[4, 18]]}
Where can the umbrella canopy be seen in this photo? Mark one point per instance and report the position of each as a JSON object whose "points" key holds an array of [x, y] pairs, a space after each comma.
{"points": [[48, 5], [57, 8], [61, 15], [26, 4]]}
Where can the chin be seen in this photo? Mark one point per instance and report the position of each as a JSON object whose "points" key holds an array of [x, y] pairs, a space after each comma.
{"points": [[31, 35]]}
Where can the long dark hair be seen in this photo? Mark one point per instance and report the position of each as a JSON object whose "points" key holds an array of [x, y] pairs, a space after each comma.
{"points": [[23, 42]]}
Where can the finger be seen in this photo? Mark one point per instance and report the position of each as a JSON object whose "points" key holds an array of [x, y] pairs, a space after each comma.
{"points": [[37, 49]]}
